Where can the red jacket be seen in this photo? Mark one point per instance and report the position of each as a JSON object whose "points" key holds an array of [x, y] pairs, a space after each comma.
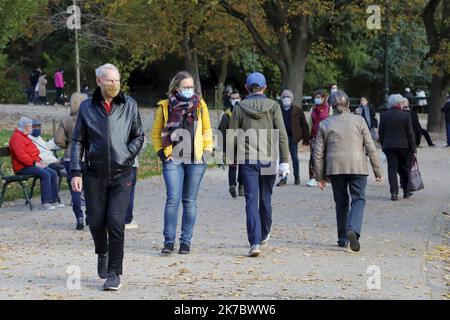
{"points": [[23, 151]]}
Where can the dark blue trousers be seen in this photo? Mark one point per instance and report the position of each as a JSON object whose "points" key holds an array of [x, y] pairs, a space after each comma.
{"points": [[258, 199], [349, 215]]}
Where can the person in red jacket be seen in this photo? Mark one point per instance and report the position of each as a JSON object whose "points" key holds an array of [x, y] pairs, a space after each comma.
{"points": [[26, 161]]}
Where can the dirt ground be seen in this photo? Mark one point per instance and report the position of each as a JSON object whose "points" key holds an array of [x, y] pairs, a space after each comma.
{"points": [[405, 242]]}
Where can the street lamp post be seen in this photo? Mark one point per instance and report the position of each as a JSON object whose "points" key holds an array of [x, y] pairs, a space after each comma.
{"points": [[77, 50], [386, 58]]}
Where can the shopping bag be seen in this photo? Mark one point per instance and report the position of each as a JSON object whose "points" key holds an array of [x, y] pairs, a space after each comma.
{"points": [[415, 180]]}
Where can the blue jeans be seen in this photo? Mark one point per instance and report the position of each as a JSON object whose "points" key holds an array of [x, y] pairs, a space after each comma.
{"points": [[448, 133], [76, 196], [49, 182], [258, 201], [129, 215], [349, 217], [182, 185]]}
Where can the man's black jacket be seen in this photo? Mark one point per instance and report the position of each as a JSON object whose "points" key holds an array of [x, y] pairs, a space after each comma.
{"points": [[109, 142], [396, 130]]}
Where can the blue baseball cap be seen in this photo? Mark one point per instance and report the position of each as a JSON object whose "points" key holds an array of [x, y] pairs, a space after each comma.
{"points": [[256, 78]]}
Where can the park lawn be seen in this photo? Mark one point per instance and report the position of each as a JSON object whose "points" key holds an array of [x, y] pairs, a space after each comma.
{"points": [[149, 166]]}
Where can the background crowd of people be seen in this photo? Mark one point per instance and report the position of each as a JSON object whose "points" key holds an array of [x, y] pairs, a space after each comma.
{"points": [[102, 137]]}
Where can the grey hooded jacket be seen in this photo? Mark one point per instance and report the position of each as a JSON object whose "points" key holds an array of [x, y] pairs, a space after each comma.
{"points": [[261, 120]]}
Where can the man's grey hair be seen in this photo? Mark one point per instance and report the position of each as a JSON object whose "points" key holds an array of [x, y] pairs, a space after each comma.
{"points": [[340, 101], [288, 93], [394, 100], [100, 71]]}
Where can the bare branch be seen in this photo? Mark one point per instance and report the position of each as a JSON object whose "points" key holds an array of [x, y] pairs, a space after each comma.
{"points": [[266, 48]]}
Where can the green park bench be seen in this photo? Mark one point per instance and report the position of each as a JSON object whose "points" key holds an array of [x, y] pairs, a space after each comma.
{"points": [[8, 179]]}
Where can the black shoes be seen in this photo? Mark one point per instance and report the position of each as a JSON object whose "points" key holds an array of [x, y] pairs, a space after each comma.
{"points": [[102, 266], [282, 182], [297, 181], [394, 197], [241, 190], [354, 242], [342, 244], [184, 248], [232, 191], [407, 194], [168, 248], [112, 283], [80, 225]]}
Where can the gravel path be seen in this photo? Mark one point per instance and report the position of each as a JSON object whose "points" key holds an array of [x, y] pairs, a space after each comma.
{"points": [[407, 240]]}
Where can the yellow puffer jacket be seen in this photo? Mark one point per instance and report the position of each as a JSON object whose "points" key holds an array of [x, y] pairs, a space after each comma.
{"points": [[203, 140]]}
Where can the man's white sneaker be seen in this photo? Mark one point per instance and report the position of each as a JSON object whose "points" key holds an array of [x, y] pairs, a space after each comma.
{"points": [[255, 250], [265, 241], [132, 225], [58, 205], [312, 183], [47, 207]]}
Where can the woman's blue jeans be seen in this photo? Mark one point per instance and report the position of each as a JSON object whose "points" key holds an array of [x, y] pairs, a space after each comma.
{"points": [[182, 185]]}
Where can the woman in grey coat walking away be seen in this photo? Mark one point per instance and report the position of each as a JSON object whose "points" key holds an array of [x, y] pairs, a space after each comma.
{"points": [[342, 143]]}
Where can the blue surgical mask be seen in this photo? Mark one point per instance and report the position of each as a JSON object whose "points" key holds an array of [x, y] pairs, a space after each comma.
{"points": [[187, 93], [36, 133], [318, 101]]}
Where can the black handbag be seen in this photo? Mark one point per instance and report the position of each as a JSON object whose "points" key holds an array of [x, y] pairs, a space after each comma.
{"points": [[415, 178]]}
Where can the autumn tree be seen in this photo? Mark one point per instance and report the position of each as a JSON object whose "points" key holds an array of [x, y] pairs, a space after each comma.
{"points": [[294, 25], [436, 17]]}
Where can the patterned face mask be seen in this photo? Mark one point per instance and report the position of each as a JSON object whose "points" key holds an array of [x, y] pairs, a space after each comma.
{"points": [[111, 89]]}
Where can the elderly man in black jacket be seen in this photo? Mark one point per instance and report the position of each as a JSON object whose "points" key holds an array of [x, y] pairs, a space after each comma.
{"points": [[398, 143], [109, 133], [297, 130]]}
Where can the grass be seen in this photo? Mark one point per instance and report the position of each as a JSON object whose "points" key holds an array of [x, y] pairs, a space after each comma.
{"points": [[149, 166]]}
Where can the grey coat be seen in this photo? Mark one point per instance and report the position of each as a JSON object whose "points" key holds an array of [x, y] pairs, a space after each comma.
{"points": [[342, 143]]}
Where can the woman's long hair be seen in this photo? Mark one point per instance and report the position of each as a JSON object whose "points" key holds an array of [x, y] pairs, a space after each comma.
{"points": [[176, 80]]}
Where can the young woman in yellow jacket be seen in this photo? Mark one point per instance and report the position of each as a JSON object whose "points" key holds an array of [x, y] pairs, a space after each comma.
{"points": [[182, 138]]}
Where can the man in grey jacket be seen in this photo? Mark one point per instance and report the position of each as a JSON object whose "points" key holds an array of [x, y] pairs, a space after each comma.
{"points": [[342, 143], [258, 125]]}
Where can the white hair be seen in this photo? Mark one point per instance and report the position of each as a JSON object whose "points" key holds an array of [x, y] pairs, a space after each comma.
{"points": [[394, 100], [100, 71], [287, 92]]}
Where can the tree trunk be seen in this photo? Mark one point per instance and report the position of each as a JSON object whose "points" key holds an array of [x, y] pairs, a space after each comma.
{"points": [[223, 74], [293, 76], [438, 94], [191, 63]]}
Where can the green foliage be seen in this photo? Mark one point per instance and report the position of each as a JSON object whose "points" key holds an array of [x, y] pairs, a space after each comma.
{"points": [[11, 91], [13, 15]]}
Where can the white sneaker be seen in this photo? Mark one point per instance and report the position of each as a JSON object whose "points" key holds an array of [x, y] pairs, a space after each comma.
{"points": [[255, 250], [58, 205], [312, 183], [265, 241], [47, 206], [132, 225]]}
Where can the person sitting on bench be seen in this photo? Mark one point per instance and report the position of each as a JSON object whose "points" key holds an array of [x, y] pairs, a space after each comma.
{"points": [[26, 161], [45, 149]]}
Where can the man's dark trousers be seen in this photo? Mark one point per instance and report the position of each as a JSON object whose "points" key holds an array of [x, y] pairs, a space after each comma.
{"points": [[232, 173], [129, 215], [349, 215], [107, 201], [399, 161], [258, 200]]}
